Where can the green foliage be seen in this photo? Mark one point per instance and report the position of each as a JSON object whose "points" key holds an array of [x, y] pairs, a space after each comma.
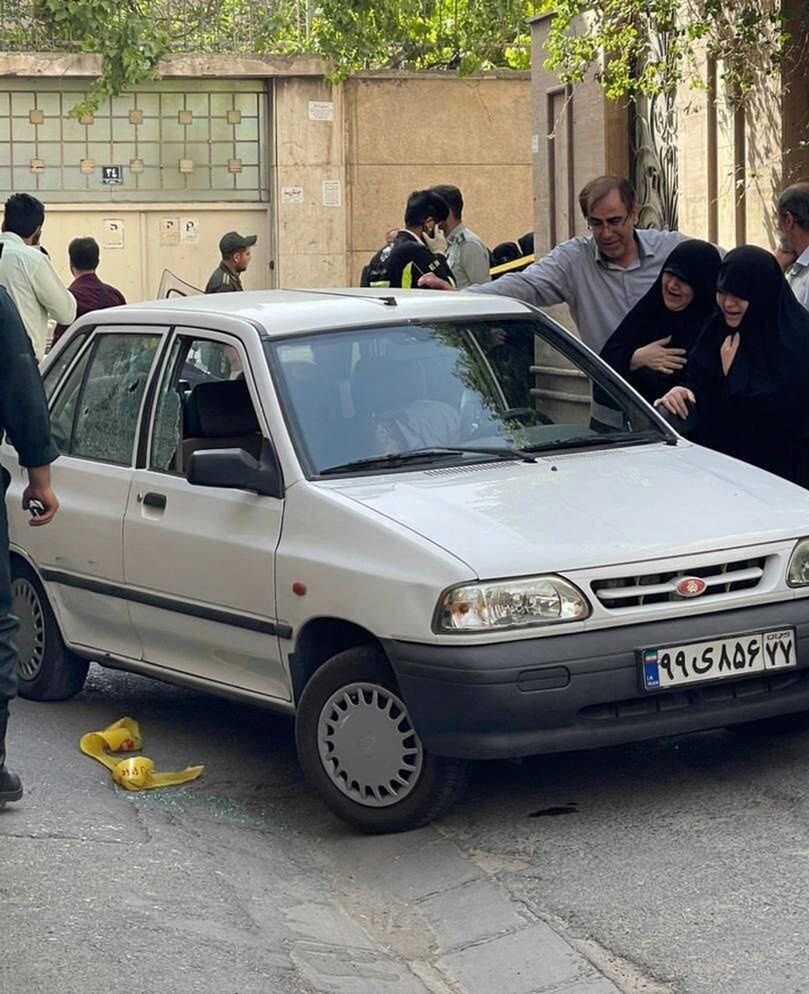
{"points": [[652, 46], [464, 35], [123, 32], [133, 36], [633, 46]]}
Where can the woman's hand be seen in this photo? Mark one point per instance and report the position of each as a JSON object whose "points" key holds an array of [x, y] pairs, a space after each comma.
{"points": [[676, 401], [730, 347], [656, 356]]}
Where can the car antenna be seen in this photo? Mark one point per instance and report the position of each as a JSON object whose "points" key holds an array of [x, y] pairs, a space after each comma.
{"points": [[386, 301]]}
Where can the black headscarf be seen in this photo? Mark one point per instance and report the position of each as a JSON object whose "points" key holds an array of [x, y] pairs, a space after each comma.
{"points": [[759, 412], [694, 262]]}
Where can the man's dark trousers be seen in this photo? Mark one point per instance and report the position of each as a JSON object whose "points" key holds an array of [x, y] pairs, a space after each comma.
{"points": [[8, 623]]}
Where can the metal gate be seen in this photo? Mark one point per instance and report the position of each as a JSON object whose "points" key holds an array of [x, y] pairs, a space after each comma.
{"points": [[653, 151]]}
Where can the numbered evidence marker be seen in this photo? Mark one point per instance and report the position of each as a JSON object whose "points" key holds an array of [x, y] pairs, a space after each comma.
{"points": [[113, 233], [169, 231]]}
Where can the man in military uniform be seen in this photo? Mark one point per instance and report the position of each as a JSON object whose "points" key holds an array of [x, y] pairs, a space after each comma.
{"points": [[467, 255], [235, 251], [24, 419], [410, 255]]}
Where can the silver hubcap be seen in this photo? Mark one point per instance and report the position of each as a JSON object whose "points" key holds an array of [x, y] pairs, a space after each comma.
{"points": [[368, 746], [30, 639]]}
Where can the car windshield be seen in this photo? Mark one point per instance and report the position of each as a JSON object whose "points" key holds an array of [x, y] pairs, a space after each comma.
{"points": [[405, 396]]}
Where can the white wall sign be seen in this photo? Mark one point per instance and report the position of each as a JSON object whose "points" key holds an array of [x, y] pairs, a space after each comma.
{"points": [[291, 194], [189, 230], [321, 110], [169, 231], [331, 193], [534, 144], [113, 233]]}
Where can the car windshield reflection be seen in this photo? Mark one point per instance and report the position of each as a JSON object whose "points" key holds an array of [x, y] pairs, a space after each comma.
{"points": [[355, 401]]}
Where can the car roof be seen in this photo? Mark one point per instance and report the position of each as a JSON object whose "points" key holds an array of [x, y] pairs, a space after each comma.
{"points": [[277, 313]]}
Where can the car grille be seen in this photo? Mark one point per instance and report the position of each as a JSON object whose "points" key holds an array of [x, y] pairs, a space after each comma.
{"points": [[720, 692], [621, 593]]}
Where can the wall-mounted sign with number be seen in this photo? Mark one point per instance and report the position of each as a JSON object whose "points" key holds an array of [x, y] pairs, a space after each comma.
{"points": [[112, 175]]}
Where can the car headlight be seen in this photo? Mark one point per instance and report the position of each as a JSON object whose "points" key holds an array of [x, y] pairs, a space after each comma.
{"points": [[798, 572], [535, 600]]}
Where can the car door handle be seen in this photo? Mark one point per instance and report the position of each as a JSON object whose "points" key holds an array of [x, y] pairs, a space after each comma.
{"points": [[154, 500]]}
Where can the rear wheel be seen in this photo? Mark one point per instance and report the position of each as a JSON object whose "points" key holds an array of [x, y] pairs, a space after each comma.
{"points": [[358, 748], [46, 668]]}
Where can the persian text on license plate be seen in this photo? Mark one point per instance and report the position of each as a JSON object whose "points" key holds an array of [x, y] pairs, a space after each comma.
{"points": [[718, 659]]}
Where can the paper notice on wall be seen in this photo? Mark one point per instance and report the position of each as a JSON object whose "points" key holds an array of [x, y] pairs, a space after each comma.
{"points": [[321, 110], [112, 233], [189, 230], [291, 194], [534, 144], [331, 193], [169, 231]]}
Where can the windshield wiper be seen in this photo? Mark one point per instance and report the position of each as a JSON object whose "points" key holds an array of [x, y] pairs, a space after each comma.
{"points": [[613, 438], [428, 454]]}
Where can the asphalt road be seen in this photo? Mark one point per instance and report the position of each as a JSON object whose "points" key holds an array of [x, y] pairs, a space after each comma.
{"points": [[677, 866]]}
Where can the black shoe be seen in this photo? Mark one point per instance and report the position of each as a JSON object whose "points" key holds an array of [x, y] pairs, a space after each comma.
{"points": [[10, 786]]}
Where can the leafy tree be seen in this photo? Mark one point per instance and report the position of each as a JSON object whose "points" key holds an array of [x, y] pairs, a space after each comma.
{"points": [[747, 37], [133, 36]]}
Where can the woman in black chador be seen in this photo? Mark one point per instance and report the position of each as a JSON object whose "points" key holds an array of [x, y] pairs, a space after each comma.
{"points": [[649, 348], [747, 392]]}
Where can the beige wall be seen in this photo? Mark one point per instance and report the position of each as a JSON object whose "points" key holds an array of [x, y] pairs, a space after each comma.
{"points": [[311, 238], [380, 138], [577, 134], [136, 268], [406, 133]]}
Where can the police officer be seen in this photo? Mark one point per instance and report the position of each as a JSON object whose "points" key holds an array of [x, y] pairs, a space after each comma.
{"points": [[24, 419], [235, 251], [467, 255], [409, 256]]}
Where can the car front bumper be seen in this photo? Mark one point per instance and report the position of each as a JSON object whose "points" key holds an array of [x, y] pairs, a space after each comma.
{"points": [[582, 691]]}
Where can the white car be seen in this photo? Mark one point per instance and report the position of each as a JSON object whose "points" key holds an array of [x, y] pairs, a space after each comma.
{"points": [[435, 527]]}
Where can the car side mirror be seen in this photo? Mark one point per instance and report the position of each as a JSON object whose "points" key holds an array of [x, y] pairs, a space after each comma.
{"points": [[238, 470]]}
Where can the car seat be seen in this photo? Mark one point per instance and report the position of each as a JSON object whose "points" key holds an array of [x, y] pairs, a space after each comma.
{"points": [[225, 419]]}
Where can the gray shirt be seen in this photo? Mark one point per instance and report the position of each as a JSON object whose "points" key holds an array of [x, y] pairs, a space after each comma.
{"points": [[798, 278], [598, 293], [468, 257]]}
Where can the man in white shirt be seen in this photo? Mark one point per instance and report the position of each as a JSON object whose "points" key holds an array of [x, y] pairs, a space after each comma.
{"points": [[28, 274], [793, 227]]}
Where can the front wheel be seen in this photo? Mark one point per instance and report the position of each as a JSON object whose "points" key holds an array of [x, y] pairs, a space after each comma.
{"points": [[359, 750], [46, 669]]}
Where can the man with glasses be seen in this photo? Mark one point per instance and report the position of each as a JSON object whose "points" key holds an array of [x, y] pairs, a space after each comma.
{"points": [[600, 276]]}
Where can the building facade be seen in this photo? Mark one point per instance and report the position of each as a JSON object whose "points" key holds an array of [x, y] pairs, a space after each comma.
{"points": [[263, 146], [699, 162]]}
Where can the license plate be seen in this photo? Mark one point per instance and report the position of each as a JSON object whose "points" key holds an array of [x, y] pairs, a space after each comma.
{"points": [[719, 659]]}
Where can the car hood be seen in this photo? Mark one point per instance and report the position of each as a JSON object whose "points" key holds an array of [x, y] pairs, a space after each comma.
{"points": [[588, 509]]}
